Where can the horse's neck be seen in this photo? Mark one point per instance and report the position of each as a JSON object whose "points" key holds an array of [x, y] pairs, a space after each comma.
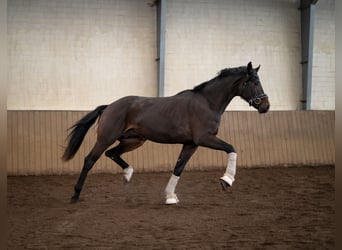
{"points": [[221, 91]]}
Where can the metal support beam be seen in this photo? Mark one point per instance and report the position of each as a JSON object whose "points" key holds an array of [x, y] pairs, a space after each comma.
{"points": [[161, 26], [307, 17]]}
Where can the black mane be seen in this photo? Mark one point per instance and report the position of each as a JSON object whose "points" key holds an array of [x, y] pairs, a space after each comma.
{"points": [[222, 73]]}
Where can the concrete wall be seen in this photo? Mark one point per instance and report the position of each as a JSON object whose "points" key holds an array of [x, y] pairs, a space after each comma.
{"points": [[75, 55], [203, 37], [323, 72]]}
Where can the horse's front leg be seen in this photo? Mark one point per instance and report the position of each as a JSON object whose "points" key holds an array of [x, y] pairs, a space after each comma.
{"points": [[187, 151], [228, 177], [213, 142]]}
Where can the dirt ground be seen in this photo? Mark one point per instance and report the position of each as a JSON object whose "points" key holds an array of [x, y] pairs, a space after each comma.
{"points": [[277, 208]]}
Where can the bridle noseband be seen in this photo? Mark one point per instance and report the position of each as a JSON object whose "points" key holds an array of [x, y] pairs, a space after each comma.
{"points": [[256, 99]]}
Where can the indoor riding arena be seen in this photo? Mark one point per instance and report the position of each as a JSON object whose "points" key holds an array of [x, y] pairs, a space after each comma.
{"points": [[65, 58]]}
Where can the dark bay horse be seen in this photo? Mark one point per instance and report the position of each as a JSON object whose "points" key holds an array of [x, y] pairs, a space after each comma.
{"points": [[191, 118]]}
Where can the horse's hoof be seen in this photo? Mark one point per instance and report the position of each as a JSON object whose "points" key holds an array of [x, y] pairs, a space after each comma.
{"points": [[226, 181], [125, 180], [171, 199], [74, 199], [224, 185]]}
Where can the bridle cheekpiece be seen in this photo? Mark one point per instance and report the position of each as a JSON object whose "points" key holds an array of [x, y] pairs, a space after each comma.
{"points": [[256, 99]]}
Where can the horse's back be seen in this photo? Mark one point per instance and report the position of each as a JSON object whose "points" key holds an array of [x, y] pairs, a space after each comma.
{"points": [[119, 107], [161, 119]]}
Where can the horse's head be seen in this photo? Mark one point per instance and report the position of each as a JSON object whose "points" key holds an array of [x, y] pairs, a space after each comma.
{"points": [[252, 91]]}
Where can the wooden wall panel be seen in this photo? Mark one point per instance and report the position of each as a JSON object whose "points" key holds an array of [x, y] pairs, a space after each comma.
{"points": [[282, 138]]}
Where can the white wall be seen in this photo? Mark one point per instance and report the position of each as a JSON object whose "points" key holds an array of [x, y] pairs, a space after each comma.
{"points": [[75, 55], [206, 36], [323, 71]]}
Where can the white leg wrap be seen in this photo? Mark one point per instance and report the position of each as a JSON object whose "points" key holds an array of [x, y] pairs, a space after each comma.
{"points": [[171, 197], [128, 172], [231, 166], [229, 175]]}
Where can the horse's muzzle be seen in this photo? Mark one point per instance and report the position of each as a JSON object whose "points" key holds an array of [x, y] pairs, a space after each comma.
{"points": [[264, 106]]}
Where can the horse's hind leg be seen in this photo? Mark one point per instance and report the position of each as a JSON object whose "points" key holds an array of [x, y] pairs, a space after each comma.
{"points": [[89, 162], [126, 145], [187, 151]]}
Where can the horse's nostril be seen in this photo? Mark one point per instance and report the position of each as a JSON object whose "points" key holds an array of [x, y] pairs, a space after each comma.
{"points": [[264, 108]]}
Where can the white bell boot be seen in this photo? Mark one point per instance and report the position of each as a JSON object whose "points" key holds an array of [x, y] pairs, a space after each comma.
{"points": [[128, 172], [171, 199]]}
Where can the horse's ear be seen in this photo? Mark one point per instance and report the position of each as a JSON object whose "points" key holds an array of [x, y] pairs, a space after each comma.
{"points": [[249, 67], [257, 69]]}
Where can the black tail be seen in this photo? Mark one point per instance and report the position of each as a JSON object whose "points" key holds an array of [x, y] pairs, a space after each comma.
{"points": [[79, 130]]}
